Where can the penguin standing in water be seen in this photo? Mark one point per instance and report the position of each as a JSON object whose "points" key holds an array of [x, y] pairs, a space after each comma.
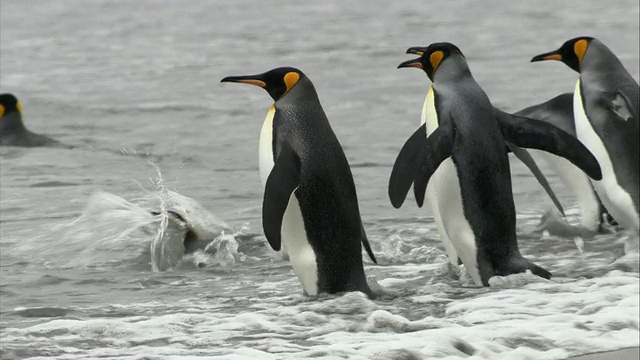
{"points": [[559, 112], [462, 152], [310, 205], [12, 130], [605, 107]]}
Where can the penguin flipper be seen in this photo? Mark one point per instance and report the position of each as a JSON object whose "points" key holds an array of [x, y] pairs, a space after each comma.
{"points": [[436, 149], [406, 167], [536, 134], [420, 187], [281, 183], [524, 156]]}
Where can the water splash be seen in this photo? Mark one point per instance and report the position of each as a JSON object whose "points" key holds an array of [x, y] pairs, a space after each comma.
{"points": [[112, 231]]}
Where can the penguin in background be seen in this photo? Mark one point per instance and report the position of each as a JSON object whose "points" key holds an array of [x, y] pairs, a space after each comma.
{"points": [[605, 108], [460, 150], [12, 129], [310, 204], [558, 111]]}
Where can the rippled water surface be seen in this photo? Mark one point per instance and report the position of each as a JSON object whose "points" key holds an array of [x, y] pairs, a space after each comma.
{"points": [[134, 86]]}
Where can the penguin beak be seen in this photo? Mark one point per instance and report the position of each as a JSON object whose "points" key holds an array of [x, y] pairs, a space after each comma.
{"points": [[417, 50], [553, 55], [411, 63], [246, 79]]}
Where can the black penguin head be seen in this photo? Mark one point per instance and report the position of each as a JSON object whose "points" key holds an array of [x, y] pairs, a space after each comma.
{"points": [[10, 113], [571, 52], [278, 82], [8, 104], [431, 57]]}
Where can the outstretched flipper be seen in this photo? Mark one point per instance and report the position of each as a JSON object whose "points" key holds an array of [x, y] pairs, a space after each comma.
{"points": [[526, 159], [420, 186], [281, 183], [406, 167], [417, 162], [436, 149], [536, 134]]}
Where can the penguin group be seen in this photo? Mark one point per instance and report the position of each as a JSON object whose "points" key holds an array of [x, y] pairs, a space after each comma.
{"points": [[457, 160]]}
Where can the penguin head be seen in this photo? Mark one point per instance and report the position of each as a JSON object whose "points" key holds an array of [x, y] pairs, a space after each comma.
{"points": [[10, 113], [431, 57], [571, 52], [278, 82]]}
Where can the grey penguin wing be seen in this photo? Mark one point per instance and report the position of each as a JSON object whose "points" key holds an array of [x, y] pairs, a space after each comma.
{"points": [[406, 167], [281, 183], [436, 149], [524, 156], [557, 111], [536, 134]]}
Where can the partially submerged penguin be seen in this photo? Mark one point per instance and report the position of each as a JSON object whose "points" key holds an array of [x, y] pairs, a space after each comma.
{"points": [[460, 152], [12, 130], [310, 204], [605, 106], [191, 240]]}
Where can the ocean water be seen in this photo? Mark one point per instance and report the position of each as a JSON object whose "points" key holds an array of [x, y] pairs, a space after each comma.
{"points": [[87, 273]]}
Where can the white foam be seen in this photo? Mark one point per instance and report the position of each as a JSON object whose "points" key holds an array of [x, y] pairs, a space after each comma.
{"points": [[113, 230], [543, 319]]}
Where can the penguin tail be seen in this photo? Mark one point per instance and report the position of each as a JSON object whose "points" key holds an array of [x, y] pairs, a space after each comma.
{"points": [[366, 245]]}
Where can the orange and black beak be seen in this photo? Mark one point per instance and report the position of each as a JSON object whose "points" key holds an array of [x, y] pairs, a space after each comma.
{"points": [[553, 55], [256, 80], [417, 50], [416, 63]]}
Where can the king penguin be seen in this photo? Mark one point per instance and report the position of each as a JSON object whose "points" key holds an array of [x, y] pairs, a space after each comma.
{"points": [[12, 130], [310, 205], [460, 151], [605, 107], [558, 111]]}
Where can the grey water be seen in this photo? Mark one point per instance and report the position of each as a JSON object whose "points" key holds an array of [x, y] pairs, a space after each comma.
{"points": [[134, 87]]}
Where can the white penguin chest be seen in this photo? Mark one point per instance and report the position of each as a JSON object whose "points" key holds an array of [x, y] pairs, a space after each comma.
{"points": [[445, 199], [293, 233], [615, 198], [429, 113], [265, 151]]}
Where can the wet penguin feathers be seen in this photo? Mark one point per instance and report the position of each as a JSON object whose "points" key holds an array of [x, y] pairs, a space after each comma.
{"points": [[12, 129], [310, 207]]}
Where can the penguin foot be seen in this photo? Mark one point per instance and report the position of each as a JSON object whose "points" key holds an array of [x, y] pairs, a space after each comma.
{"points": [[519, 265], [522, 265], [607, 224]]}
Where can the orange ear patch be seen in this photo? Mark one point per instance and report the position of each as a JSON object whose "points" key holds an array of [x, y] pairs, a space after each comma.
{"points": [[436, 58], [19, 107], [580, 47], [290, 79], [1, 110]]}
